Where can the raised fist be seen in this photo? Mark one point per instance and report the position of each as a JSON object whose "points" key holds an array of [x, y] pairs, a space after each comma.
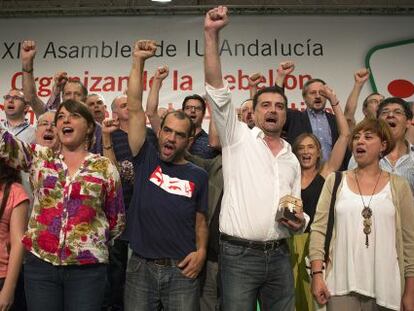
{"points": [[162, 72], [216, 19], [255, 79], [27, 54], [329, 94], [109, 125], [60, 78], [144, 49], [285, 68], [362, 75]]}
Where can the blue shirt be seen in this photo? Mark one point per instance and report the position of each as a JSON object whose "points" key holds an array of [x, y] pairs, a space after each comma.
{"points": [[124, 158], [201, 148], [321, 129], [162, 212]]}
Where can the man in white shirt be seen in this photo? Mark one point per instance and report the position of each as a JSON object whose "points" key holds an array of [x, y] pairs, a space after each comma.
{"points": [[259, 168], [15, 109]]}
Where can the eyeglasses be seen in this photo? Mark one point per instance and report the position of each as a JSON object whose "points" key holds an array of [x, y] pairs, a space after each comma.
{"points": [[13, 98], [46, 124], [395, 112], [196, 108]]}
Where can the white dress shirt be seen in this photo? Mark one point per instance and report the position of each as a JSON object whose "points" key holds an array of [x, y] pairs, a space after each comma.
{"points": [[254, 179]]}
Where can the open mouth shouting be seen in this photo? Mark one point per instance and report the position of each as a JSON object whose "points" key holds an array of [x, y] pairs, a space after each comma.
{"points": [[306, 158], [360, 151], [67, 130], [271, 119], [391, 123], [167, 149], [48, 136]]}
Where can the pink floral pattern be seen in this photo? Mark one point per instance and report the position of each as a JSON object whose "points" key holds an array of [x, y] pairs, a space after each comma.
{"points": [[73, 217]]}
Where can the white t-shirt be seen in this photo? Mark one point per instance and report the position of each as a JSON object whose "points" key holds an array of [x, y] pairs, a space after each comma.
{"points": [[371, 271]]}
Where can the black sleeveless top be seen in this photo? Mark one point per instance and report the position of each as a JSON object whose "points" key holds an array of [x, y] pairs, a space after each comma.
{"points": [[310, 197]]}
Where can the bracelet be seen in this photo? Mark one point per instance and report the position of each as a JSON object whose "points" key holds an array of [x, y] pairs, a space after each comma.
{"points": [[27, 71], [337, 103], [316, 272], [107, 147]]}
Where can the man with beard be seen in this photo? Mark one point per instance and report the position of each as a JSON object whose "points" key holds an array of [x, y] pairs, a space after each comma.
{"points": [[314, 119], [166, 226], [259, 168], [96, 105], [398, 114]]}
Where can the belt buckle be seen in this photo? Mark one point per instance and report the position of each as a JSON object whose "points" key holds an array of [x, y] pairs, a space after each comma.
{"points": [[160, 262], [270, 246]]}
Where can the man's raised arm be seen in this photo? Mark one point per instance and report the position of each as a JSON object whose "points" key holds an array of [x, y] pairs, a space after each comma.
{"points": [[143, 49], [154, 98], [360, 77], [214, 21], [27, 55]]}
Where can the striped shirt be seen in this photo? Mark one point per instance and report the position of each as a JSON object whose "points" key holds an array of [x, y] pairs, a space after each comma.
{"points": [[403, 167]]}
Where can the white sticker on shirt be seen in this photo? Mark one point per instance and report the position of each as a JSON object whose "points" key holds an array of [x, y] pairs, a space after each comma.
{"points": [[172, 185]]}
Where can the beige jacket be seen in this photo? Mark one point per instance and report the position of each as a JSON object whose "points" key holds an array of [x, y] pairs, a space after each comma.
{"points": [[404, 223]]}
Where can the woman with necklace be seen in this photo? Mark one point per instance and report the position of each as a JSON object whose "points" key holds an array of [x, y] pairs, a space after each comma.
{"points": [[308, 150], [371, 254], [77, 210]]}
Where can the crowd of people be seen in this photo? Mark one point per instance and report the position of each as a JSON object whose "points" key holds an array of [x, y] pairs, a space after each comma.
{"points": [[102, 213]]}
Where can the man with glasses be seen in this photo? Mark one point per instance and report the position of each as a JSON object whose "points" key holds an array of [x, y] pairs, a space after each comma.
{"points": [[398, 114], [15, 109], [194, 106]]}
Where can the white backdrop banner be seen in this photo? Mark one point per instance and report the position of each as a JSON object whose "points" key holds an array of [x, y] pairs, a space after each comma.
{"points": [[98, 49]]}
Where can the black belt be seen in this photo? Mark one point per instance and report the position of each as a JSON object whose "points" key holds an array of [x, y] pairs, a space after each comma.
{"points": [[260, 245], [165, 262]]}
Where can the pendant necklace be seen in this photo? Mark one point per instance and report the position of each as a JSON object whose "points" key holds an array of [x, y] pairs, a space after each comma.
{"points": [[366, 211]]}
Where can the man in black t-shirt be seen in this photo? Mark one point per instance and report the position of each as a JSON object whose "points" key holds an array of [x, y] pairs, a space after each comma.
{"points": [[166, 225]]}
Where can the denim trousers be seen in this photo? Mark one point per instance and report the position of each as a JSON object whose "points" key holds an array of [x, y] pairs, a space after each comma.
{"points": [[209, 298], [114, 292], [63, 288], [248, 274], [151, 287]]}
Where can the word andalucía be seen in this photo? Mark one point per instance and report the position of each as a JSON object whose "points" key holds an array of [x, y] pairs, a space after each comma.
{"points": [[194, 47]]}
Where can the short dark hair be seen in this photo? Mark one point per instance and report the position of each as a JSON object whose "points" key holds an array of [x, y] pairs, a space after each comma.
{"points": [[365, 102], [179, 114], [196, 97], [309, 82], [399, 101], [77, 81], [377, 126], [269, 89], [77, 107]]}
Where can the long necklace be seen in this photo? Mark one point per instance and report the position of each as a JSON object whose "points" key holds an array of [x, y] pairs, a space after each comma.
{"points": [[367, 211]]}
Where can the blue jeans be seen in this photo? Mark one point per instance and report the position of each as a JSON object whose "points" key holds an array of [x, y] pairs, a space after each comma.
{"points": [[63, 288], [249, 274], [114, 292], [152, 287]]}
